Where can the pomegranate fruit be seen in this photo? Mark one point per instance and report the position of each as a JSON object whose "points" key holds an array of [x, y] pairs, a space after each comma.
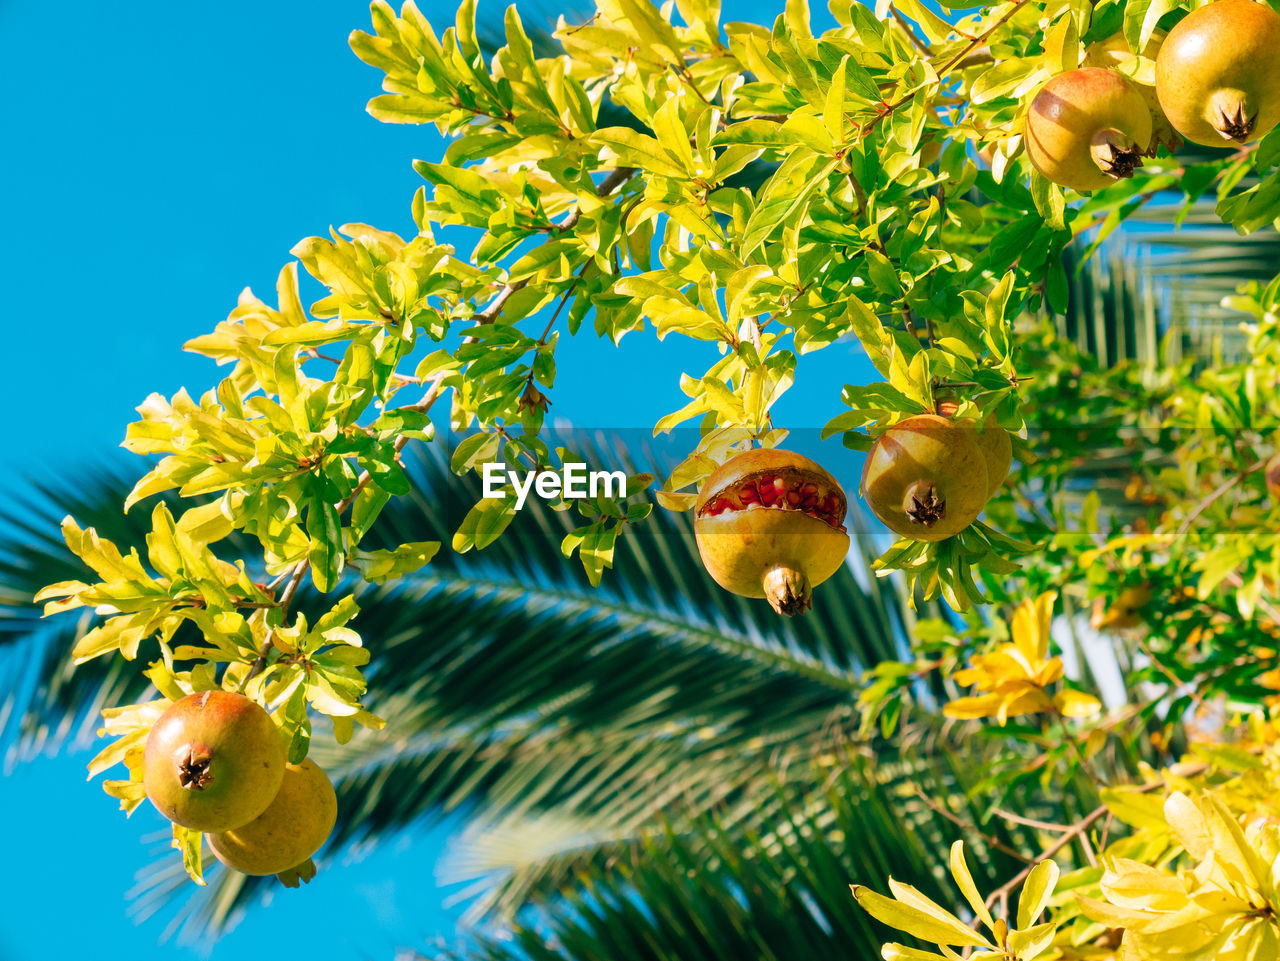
{"points": [[926, 477], [1114, 51], [770, 523], [289, 831], [213, 761], [1218, 73], [1087, 128], [997, 453], [995, 444]]}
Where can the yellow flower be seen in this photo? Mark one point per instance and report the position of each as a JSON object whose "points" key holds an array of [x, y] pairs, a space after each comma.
{"points": [[1013, 678]]}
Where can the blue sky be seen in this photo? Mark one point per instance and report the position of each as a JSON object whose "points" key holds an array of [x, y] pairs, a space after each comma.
{"points": [[158, 159]]}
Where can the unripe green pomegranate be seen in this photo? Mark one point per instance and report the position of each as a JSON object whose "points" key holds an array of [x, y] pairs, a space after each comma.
{"points": [[285, 835], [770, 523], [926, 477], [213, 761]]}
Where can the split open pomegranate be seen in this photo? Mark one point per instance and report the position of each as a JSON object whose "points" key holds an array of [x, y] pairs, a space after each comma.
{"points": [[770, 523]]}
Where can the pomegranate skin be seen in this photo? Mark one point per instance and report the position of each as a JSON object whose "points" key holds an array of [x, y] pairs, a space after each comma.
{"points": [[994, 442], [1218, 73], [213, 761], [997, 451], [1111, 53], [295, 825], [926, 478], [772, 551], [1086, 128]]}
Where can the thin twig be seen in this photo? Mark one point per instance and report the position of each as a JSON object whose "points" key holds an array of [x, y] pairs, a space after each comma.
{"points": [[1176, 683], [1222, 489], [906, 319], [946, 68], [1030, 822], [1078, 829], [905, 24], [859, 192], [959, 822]]}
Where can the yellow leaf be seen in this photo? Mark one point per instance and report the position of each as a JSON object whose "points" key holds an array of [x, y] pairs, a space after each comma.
{"points": [[1036, 892], [928, 922], [1137, 886], [964, 881], [1187, 822], [1030, 627], [900, 952], [1033, 942], [1135, 808], [968, 708]]}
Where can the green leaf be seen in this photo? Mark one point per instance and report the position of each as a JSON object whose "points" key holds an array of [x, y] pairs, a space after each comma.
{"points": [[381, 566], [324, 529], [188, 842]]}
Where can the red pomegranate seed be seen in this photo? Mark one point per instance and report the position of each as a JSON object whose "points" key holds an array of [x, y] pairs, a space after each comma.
{"points": [[793, 497], [748, 494], [768, 495]]}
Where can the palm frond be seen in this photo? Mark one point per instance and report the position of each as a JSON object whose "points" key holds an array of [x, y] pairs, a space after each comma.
{"points": [[513, 687], [774, 887]]}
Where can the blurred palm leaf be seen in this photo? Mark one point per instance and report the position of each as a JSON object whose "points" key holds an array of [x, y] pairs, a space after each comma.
{"points": [[1154, 281]]}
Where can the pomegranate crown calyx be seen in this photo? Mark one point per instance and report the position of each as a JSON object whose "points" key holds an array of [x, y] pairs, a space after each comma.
{"points": [[194, 764]]}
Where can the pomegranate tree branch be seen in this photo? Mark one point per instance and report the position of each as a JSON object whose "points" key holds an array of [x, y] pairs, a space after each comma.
{"points": [[911, 327], [1075, 831], [960, 822], [905, 24], [973, 45], [946, 68], [1031, 822], [607, 186], [298, 572]]}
